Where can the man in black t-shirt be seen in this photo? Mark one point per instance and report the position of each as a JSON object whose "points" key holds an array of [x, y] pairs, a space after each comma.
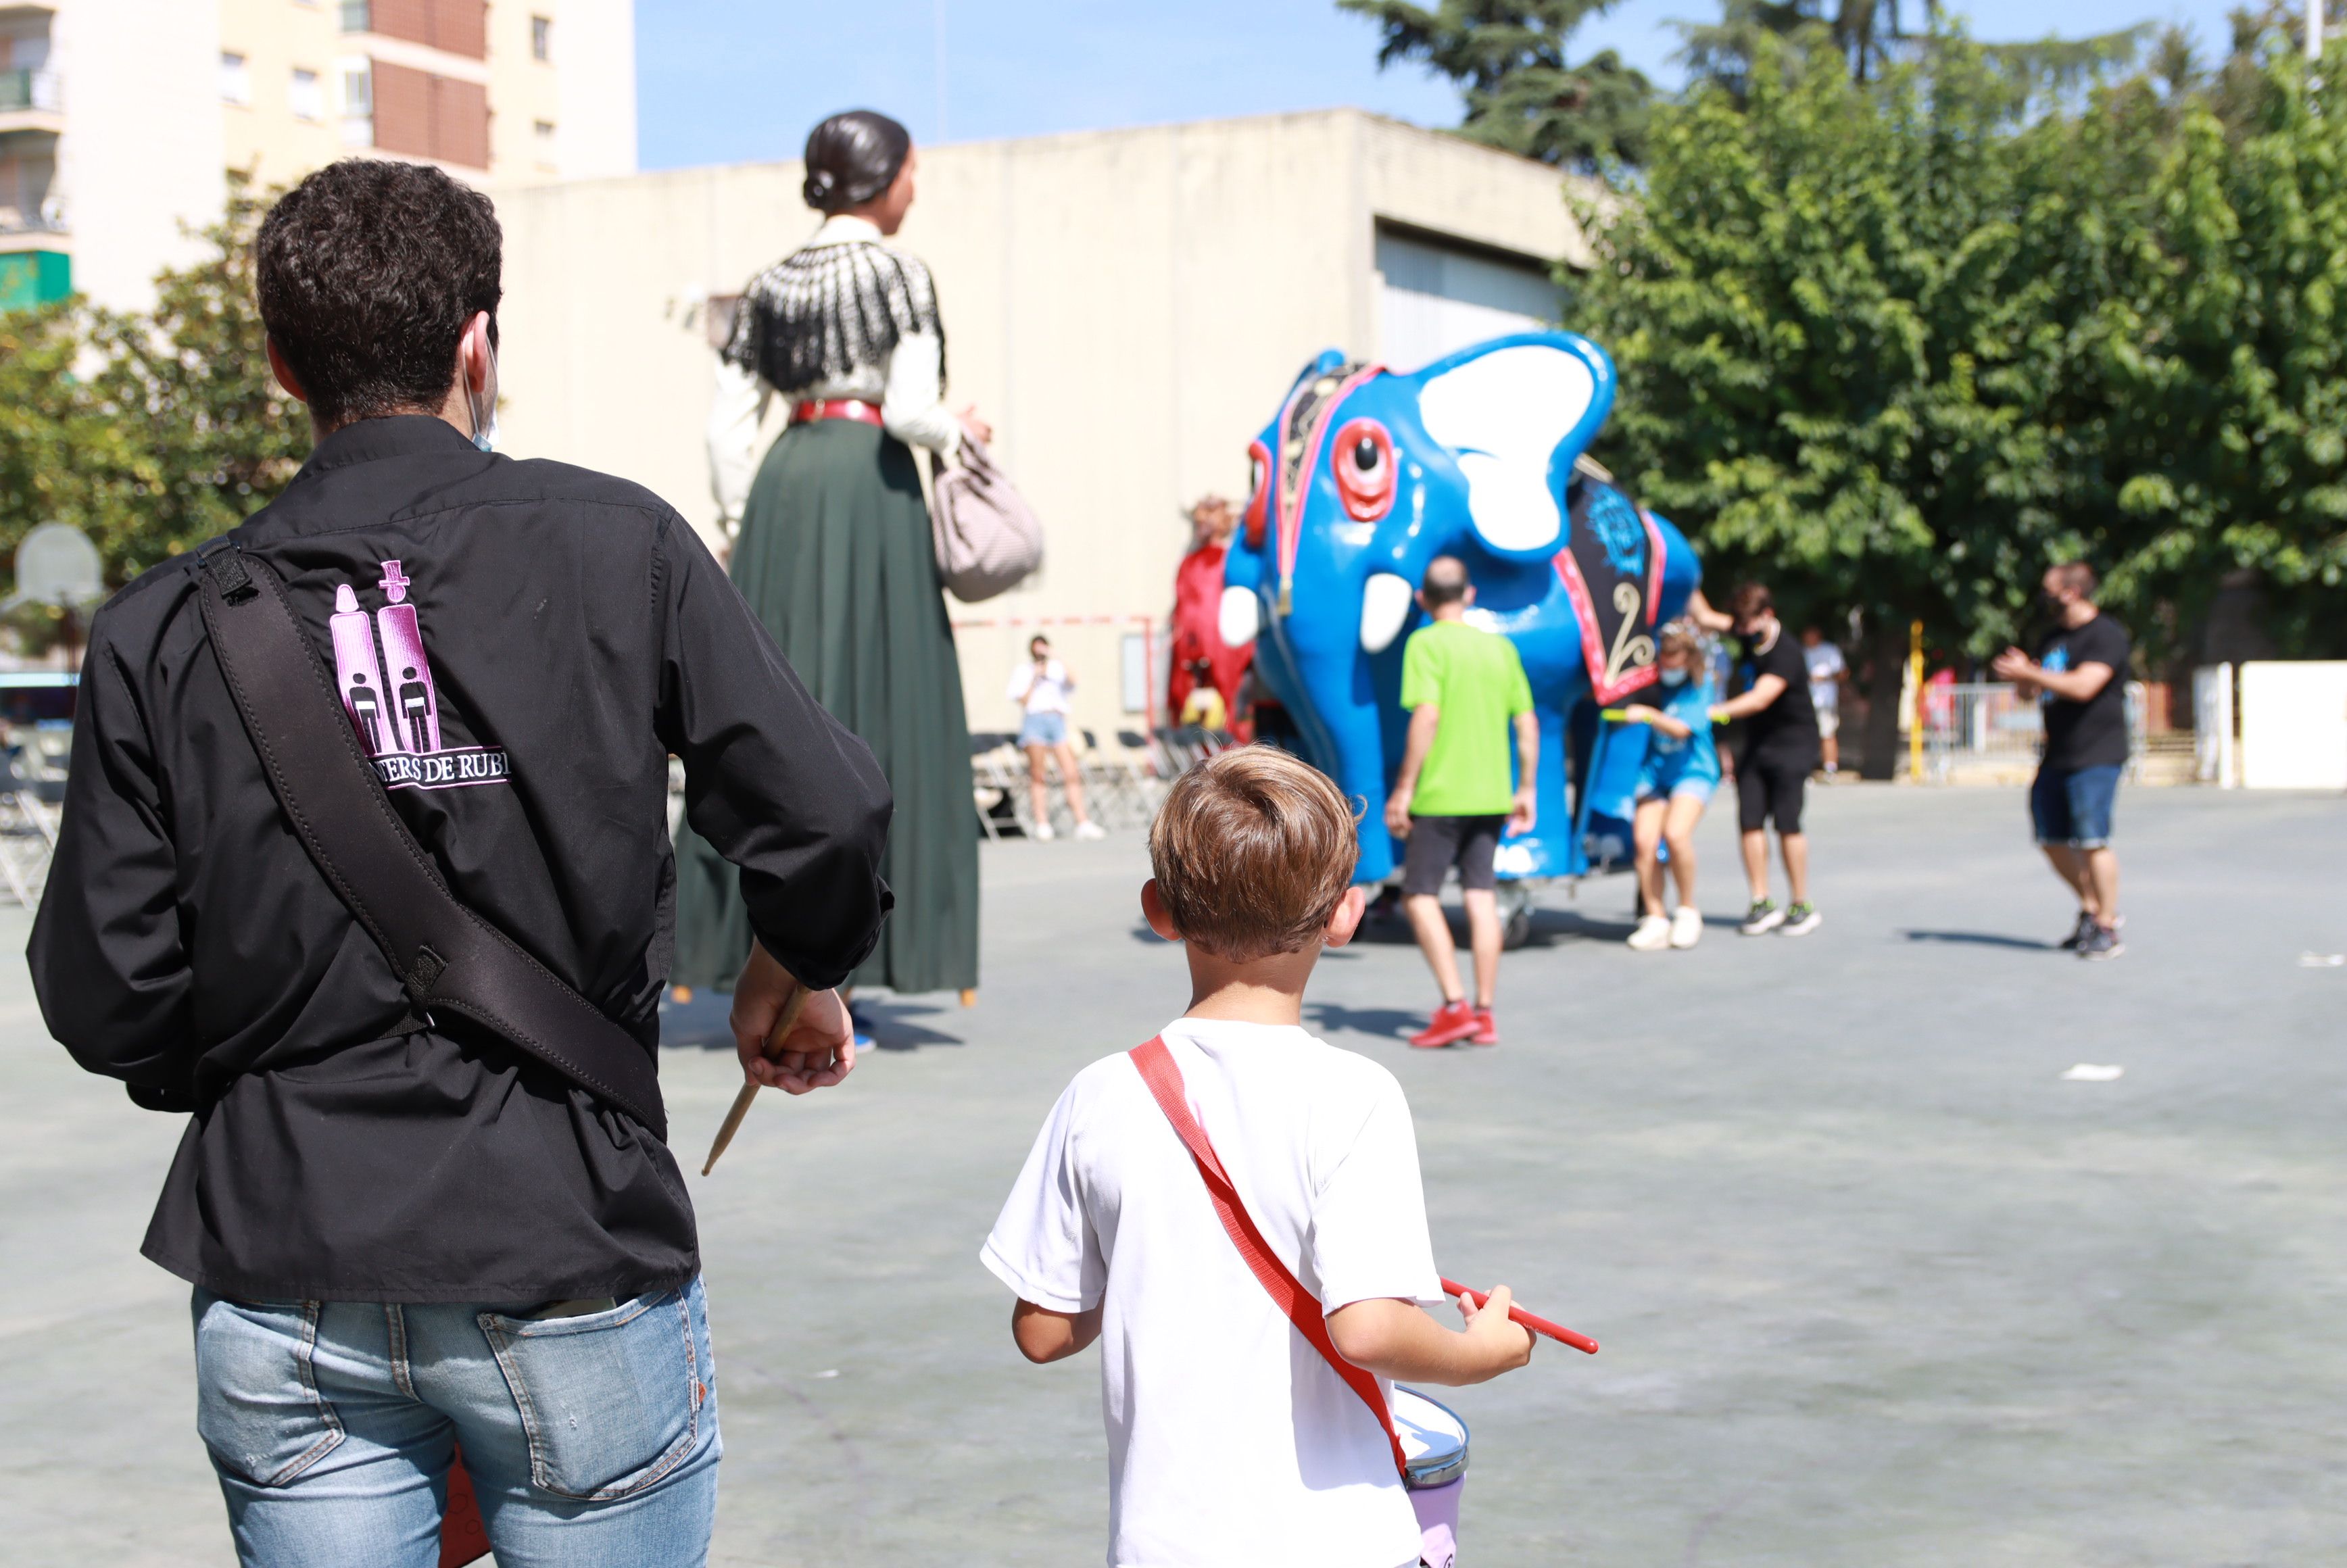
{"points": [[2080, 676], [1772, 766]]}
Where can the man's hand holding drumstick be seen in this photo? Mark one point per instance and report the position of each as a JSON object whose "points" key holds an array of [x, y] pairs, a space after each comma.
{"points": [[789, 1037]]}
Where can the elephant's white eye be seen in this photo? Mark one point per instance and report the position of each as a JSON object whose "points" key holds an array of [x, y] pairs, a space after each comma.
{"points": [[1362, 458]]}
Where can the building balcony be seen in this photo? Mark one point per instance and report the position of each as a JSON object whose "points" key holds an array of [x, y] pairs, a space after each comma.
{"points": [[18, 223], [31, 100]]}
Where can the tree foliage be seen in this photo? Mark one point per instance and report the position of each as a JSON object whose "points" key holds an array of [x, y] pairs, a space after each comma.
{"points": [[150, 431], [1899, 343], [1524, 94]]}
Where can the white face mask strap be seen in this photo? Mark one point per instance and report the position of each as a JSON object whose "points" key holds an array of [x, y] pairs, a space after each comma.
{"points": [[484, 426]]}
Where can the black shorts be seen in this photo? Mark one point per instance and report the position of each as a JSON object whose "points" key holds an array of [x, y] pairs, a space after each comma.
{"points": [[1439, 843], [1767, 788]]}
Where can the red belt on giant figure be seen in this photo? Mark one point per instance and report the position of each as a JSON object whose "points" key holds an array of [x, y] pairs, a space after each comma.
{"points": [[854, 408]]}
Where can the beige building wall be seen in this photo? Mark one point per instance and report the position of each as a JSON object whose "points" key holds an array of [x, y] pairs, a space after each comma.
{"points": [[545, 60], [281, 130], [138, 149], [1127, 307]]}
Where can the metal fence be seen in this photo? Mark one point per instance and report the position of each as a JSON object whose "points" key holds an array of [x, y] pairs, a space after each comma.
{"points": [[1977, 725]]}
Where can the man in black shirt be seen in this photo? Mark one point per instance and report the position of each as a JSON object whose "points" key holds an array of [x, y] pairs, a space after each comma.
{"points": [[2080, 677], [1773, 765], [402, 1232]]}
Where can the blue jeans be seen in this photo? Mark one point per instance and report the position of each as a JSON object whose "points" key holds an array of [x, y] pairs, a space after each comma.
{"points": [[2072, 805], [591, 1441]]}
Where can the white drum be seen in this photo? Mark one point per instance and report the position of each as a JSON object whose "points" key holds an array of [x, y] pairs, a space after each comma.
{"points": [[1434, 1448]]}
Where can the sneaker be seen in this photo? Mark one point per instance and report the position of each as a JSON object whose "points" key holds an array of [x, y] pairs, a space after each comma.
{"points": [[1686, 927], [1045, 833], [1090, 830], [2102, 942], [1487, 1030], [1652, 935], [2078, 933], [1763, 918], [1452, 1022], [1802, 919]]}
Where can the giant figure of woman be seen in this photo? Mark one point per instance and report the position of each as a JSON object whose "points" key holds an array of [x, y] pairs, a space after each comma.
{"points": [[834, 549]]}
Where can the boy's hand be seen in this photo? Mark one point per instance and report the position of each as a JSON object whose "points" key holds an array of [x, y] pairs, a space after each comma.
{"points": [[1499, 1342], [1637, 713], [1398, 811], [1524, 813]]}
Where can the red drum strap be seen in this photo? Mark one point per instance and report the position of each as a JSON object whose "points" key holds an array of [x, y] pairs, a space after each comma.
{"points": [[1164, 1076]]}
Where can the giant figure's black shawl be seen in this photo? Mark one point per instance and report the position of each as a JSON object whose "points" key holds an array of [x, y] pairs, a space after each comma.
{"points": [[825, 311]]}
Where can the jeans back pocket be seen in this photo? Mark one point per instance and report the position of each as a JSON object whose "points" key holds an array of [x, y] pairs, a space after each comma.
{"points": [[610, 1401], [257, 1403]]}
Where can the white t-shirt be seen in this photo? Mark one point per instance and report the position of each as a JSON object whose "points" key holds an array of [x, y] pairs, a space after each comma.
{"points": [[1230, 1440], [1046, 692], [1825, 669]]}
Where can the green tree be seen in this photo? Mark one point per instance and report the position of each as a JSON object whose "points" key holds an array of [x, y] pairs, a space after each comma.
{"points": [[218, 438], [150, 431], [2225, 363], [1847, 315], [1871, 36], [1522, 91], [63, 459]]}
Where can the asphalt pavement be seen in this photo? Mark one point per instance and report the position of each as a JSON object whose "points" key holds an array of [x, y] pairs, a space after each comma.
{"points": [[1877, 1285]]}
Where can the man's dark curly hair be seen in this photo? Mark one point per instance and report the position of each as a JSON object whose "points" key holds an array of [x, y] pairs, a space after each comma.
{"points": [[368, 273]]}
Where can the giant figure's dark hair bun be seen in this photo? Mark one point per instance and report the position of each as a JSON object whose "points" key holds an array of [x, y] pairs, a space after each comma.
{"points": [[851, 157]]}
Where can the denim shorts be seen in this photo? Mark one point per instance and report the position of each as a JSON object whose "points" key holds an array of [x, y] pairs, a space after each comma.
{"points": [[2072, 807], [1043, 730]]}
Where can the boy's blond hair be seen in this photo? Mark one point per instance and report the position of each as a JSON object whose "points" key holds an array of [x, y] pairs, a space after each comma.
{"points": [[1681, 637], [1252, 851]]}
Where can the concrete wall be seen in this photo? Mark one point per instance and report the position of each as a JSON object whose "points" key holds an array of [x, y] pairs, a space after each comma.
{"points": [[142, 151], [1127, 307]]}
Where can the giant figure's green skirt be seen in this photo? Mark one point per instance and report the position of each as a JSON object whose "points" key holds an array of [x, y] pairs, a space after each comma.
{"points": [[835, 556]]}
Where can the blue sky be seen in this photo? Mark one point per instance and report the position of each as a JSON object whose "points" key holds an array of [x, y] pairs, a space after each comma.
{"points": [[727, 81]]}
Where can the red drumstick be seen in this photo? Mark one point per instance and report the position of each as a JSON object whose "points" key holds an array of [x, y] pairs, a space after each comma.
{"points": [[1556, 1331]]}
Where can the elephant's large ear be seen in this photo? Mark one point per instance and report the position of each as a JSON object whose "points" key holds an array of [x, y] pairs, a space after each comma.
{"points": [[1515, 412]]}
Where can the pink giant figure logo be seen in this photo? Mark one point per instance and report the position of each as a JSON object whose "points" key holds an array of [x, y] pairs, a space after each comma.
{"points": [[391, 704]]}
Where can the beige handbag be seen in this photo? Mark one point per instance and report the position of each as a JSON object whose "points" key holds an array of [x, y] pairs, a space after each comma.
{"points": [[988, 538]]}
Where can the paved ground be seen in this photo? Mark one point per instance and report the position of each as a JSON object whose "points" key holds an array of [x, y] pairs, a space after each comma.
{"points": [[1876, 1286]]}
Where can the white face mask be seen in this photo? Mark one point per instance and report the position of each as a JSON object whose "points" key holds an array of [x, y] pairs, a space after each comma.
{"points": [[1672, 677], [485, 423]]}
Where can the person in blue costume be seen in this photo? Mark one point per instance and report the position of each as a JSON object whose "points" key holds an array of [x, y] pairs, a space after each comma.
{"points": [[1674, 783]]}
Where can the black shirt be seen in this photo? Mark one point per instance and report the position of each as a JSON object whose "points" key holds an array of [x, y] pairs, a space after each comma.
{"points": [[2092, 733], [1784, 733], [542, 637]]}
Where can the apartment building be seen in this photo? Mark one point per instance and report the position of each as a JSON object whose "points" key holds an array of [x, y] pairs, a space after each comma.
{"points": [[118, 118]]}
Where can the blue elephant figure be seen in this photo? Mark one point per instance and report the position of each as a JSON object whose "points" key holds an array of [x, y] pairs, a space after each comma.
{"points": [[1364, 476]]}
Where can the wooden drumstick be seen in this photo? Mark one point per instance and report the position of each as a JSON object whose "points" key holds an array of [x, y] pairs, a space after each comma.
{"points": [[732, 1122]]}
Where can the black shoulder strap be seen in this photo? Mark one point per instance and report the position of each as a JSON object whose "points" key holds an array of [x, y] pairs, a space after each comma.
{"points": [[450, 958]]}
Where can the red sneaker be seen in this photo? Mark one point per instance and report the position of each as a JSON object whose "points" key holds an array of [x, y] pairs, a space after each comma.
{"points": [[1487, 1032], [1452, 1022]]}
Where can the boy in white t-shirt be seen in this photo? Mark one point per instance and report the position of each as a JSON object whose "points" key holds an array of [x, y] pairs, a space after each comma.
{"points": [[1231, 1440]]}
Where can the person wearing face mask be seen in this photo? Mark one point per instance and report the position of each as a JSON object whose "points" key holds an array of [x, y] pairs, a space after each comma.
{"points": [[404, 1232], [2080, 676], [832, 545], [1674, 783]]}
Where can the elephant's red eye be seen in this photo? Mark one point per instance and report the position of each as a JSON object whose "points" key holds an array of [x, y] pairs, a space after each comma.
{"points": [[1258, 509], [1363, 459]]}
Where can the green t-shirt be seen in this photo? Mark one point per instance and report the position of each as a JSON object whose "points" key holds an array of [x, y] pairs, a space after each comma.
{"points": [[1476, 682]]}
